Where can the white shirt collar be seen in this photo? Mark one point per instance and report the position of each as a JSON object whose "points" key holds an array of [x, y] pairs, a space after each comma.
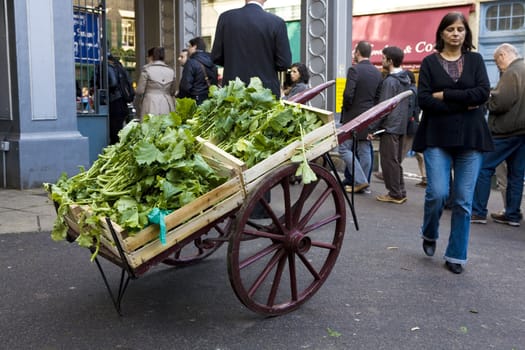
{"points": [[256, 3]]}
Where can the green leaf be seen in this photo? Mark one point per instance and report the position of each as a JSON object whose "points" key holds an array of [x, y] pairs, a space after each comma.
{"points": [[147, 153], [170, 189], [306, 173], [186, 107], [333, 333], [85, 240], [201, 166]]}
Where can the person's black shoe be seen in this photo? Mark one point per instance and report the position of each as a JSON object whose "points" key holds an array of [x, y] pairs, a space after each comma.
{"points": [[453, 267], [429, 247]]}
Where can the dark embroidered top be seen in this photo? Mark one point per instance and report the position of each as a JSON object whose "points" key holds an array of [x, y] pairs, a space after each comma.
{"points": [[453, 68]]}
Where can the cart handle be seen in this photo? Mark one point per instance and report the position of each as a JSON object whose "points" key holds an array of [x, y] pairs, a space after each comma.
{"points": [[366, 118], [308, 94]]}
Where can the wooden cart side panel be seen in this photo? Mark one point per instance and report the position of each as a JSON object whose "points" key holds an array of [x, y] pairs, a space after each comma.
{"points": [[326, 116], [185, 230], [314, 143], [210, 150], [110, 246], [319, 149], [77, 211], [196, 207]]}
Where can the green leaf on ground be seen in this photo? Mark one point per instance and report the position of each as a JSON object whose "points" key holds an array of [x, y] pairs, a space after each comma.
{"points": [[333, 333]]}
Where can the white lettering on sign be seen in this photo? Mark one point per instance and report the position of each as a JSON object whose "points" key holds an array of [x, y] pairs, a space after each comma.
{"points": [[410, 50], [423, 46]]}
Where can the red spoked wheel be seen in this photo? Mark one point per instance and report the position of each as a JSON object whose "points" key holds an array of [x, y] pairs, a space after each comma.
{"points": [[277, 264], [201, 247]]}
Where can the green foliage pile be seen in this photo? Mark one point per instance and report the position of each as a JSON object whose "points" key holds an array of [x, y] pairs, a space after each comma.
{"points": [[249, 123], [156, 164]]}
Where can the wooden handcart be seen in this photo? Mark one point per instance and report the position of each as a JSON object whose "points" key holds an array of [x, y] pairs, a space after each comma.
{"points": [[283, 238]]}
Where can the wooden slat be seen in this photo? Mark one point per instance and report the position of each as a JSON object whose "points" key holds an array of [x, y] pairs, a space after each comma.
{"points": [[185, 230], [212, 151], [323, 114], [320, 149], [183, 214], [311, 140], [73, 225]]}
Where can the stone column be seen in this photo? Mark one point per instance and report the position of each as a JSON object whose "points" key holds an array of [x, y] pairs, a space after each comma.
{"points": [[38, 121], [327, 35]]}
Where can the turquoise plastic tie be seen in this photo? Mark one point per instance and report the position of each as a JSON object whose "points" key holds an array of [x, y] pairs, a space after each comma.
{"points": [[156, 216]]}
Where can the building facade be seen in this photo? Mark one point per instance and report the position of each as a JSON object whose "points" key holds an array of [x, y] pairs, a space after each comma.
{"points": [[47, 128], [412, 24], [53, 118]]}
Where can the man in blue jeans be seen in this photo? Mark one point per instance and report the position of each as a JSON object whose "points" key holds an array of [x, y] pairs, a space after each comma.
{"points": [[507, 125], [362, 83]]}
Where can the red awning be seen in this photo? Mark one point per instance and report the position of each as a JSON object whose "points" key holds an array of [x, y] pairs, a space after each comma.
{"points": [[413, 31]]}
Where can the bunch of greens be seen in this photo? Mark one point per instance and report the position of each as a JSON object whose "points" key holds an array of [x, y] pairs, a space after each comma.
{"points": [[156, 164], [249, 123]]}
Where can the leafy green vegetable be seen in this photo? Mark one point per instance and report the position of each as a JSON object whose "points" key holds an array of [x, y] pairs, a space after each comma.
{"points": [[156, 164], [249, 122]]}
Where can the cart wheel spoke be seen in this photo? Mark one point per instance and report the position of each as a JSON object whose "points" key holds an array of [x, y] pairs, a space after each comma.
{"points": [[277, 258], [276, 280], [321, 223], [302, 235], [203, 246], [289, 218], [315, 208], [264, 234], [293, 277], [309, 267], [297, 208], [258, 255]]}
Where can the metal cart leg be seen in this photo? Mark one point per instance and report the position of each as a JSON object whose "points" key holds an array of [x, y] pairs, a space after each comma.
{"points": [[125, 270], [121, 290], [330, 162]]}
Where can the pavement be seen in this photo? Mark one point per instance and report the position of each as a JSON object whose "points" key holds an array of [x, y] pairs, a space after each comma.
{"points": [[383, 292], [31, 210], [24, 211]]}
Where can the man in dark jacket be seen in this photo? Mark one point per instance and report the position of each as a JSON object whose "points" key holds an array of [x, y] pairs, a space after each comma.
{"points": [[395, 126], [199, 72], [118, 107], [507, 125], [362, 82], [250, 42]]}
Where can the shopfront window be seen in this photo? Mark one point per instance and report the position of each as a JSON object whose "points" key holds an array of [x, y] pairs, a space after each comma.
{"points": [[88, 29], [505, 16], [128, 33], [100, 27]]}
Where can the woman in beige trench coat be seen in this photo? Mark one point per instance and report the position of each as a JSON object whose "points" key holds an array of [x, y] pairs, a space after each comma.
{"points": [[156, 86]]}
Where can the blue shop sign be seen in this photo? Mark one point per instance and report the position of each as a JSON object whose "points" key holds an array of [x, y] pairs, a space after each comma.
{"points": [[86, 37]]}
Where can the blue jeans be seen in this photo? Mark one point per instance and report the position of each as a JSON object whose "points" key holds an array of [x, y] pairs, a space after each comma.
{"points": [[363, 164], [466, 165], [511, 149]]}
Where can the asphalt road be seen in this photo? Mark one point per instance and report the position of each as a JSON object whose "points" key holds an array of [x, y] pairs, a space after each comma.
{"points": [[382, 294]]}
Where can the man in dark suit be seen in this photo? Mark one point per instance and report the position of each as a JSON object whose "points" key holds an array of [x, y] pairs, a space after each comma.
{"points": [[362, 84], [250, 42]]}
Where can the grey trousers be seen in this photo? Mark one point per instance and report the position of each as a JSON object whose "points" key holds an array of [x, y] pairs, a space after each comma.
{"points": [[391, 155]]}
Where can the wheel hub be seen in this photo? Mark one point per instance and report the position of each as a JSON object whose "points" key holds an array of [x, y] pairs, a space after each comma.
{"points": [[299, 243]]}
